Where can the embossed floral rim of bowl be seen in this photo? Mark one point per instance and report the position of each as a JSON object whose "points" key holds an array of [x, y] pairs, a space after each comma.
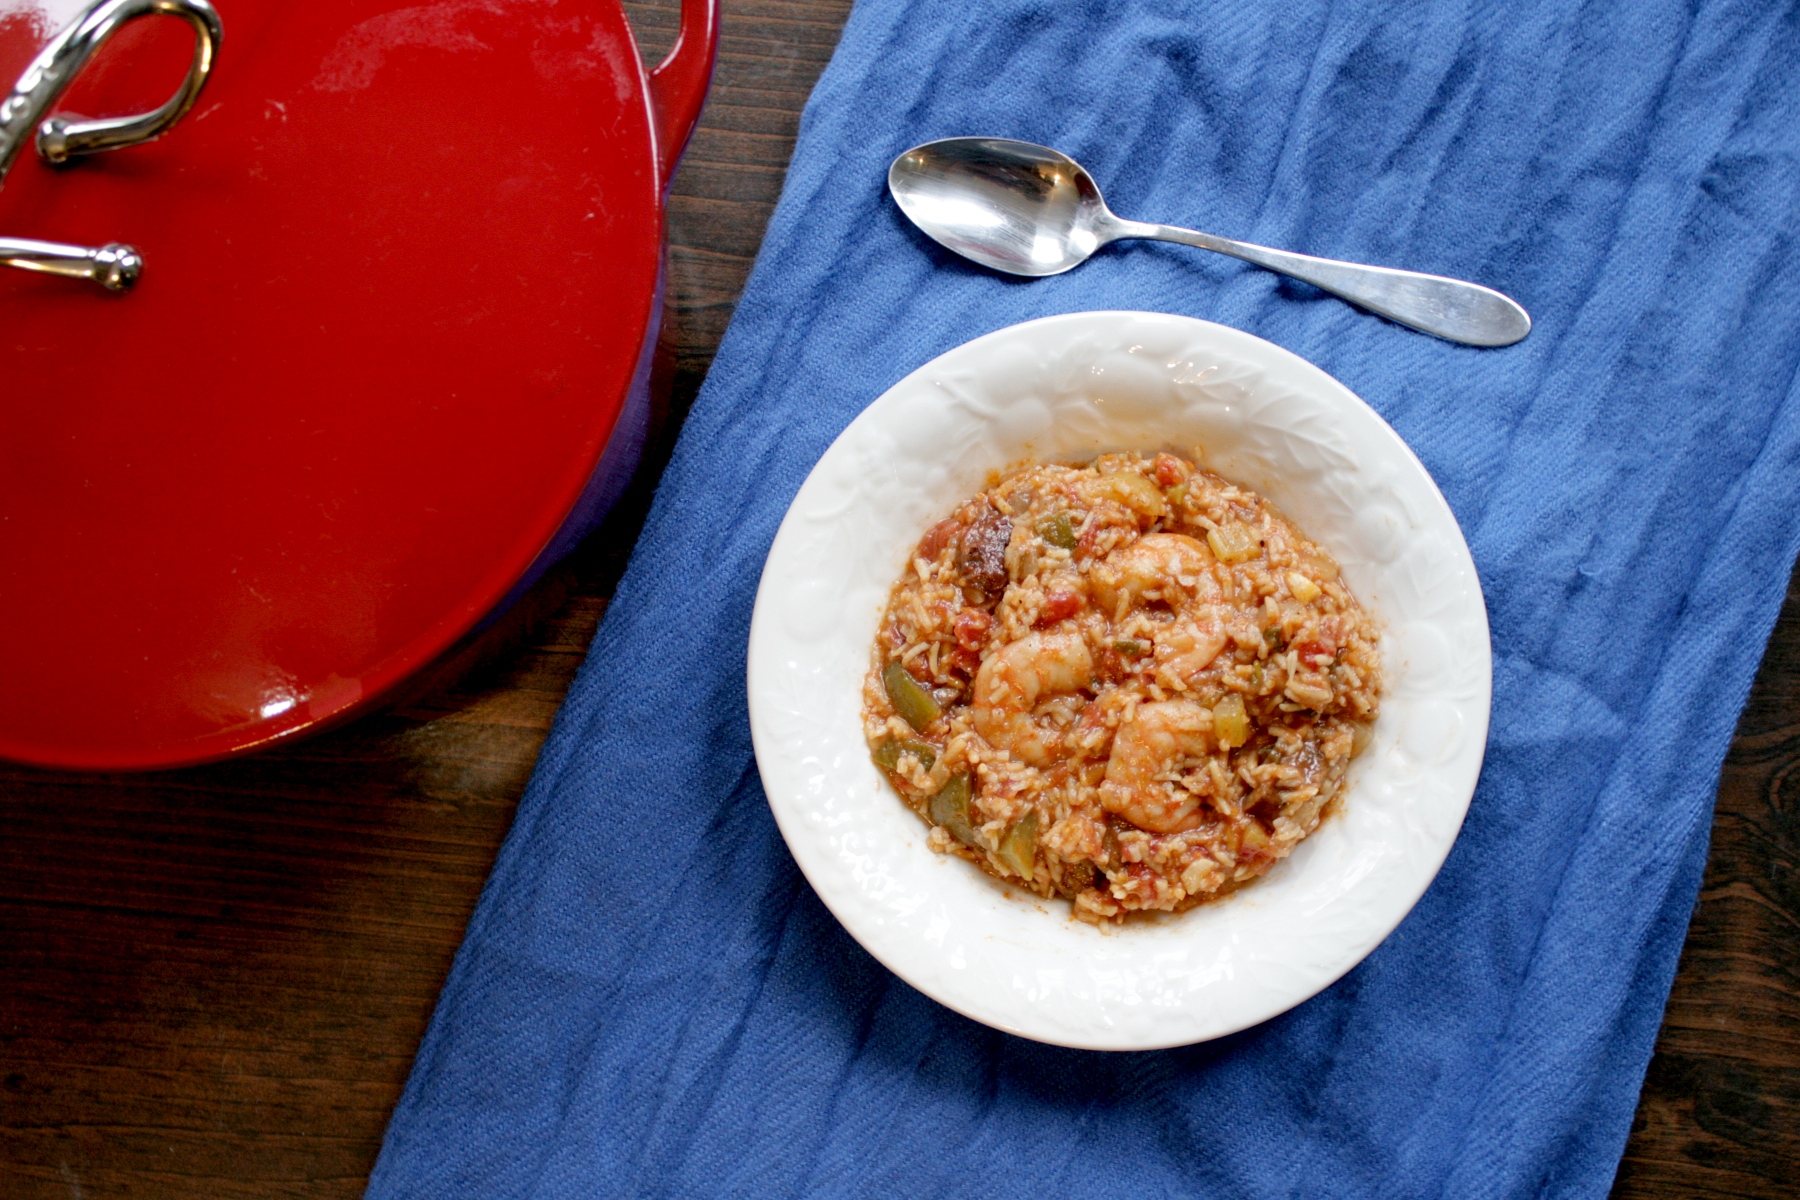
{"points": [[1071, 387]]}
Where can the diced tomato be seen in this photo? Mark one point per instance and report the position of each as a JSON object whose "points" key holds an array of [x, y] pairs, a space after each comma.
{"points": [[1059, 605], [972, 626], [963, 659], [937, 537], [1170, 470], [920, 668], [1315, 652]]}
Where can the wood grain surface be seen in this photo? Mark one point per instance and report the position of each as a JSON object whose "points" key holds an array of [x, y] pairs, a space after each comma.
{"points": [[1720, 1111], [214, 979]]}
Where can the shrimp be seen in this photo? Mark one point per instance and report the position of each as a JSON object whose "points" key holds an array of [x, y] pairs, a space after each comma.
{"points": [[1189, 648], [1147, 750], [1176, 570], [1015, 678], [1170, 567]]}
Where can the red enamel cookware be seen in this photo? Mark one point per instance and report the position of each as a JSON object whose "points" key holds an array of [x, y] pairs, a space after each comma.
{"points": [[296, 394]]}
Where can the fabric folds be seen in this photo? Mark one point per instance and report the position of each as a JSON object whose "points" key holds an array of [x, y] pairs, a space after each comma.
{"points": [[651, 1002]]}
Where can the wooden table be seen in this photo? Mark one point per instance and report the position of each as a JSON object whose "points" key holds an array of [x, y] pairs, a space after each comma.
{"points": [[214, 979]]}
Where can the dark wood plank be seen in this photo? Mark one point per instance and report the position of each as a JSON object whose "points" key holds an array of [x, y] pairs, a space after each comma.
{"points": [[216, 978], [1720, 1111]]}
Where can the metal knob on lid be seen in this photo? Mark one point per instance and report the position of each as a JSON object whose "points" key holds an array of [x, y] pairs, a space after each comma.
{"points": [[60, 138]]}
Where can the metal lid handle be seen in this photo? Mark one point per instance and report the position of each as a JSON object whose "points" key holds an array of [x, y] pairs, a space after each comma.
{"points": [[60, 138]]}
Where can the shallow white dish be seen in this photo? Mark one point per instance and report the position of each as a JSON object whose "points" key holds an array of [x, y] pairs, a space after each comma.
{"points": [[1071, 387]]}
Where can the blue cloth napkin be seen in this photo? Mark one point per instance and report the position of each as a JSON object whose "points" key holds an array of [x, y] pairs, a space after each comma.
{"points": [[650, 1000]]}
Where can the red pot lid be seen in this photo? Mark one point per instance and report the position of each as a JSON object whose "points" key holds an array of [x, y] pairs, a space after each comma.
{"points": [[399, 264]]}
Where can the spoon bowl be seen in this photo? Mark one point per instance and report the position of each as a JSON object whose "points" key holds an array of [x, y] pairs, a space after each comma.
{"points": [[1011, 206], [1029, 210]]}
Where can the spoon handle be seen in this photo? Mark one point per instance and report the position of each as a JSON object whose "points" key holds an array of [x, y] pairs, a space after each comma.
{"points": [[1449, 308]]}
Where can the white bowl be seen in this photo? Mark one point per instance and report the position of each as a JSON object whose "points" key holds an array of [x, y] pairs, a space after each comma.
{"points": [[1071, 387]]}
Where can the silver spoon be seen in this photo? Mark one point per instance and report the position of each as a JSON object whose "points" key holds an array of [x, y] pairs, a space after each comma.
{"points": [[1029, 210]]}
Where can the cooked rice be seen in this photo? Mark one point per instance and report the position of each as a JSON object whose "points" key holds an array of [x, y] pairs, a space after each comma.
{"points": [[1132, 684]]}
